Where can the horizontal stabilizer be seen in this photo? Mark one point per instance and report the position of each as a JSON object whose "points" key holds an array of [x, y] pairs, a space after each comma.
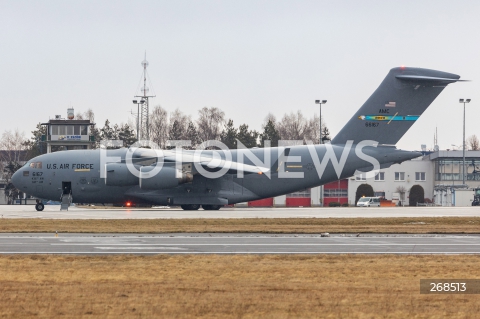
{"points": [[421, 79]]}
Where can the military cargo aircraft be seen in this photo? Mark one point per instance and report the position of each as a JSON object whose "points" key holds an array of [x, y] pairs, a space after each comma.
{"points": [[212, 178]]}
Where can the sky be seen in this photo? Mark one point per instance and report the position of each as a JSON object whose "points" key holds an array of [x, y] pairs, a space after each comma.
{"points": [[248, 58]]}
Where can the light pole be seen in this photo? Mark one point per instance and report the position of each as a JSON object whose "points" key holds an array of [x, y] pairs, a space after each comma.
{"points": [[138, 116], [320, 102], [463, 169]]}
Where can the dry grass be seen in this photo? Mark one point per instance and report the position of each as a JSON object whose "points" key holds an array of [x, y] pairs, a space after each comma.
{"points": [[262, 225], [269, 286]]}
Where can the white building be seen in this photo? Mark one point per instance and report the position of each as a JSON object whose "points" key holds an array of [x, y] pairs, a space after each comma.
{"points": [[396, 181]]}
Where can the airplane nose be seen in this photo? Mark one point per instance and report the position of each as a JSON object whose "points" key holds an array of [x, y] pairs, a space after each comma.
{"points": [[16, 178]]}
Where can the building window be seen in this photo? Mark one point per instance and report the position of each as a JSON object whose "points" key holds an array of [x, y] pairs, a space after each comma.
{"points": [[69, 129], [335, 193], [62, 130], [361, 177], [54, 129], [420, 176], [301, 193], [380, 176], [399, 176], [84, 130]]}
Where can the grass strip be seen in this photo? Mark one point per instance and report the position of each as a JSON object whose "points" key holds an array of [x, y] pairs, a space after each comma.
{"points": [[407, 225], [268, 286]]}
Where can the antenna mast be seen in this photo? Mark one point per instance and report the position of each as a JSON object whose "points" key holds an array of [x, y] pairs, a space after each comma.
{"points": [[143, 127]]}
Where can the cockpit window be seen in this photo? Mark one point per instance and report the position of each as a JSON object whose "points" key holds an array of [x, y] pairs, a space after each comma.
{"points": [[36, 165]]}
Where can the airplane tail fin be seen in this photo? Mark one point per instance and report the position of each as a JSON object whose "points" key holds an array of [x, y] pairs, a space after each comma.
{"points": [[396, 104]]}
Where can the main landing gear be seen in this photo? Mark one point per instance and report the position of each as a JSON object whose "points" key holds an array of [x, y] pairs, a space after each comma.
{"points": [[196, 207], [211, 207], [39, 206], [190, 207]]}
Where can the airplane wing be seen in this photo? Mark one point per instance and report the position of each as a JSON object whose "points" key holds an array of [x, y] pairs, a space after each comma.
{"points": [[210, 160]]}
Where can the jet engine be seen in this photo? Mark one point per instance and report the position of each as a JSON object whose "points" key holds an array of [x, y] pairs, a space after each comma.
{"points": [[167, 177], [117, 174]]}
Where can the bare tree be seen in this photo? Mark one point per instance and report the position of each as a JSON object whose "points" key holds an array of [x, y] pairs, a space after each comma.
{"points": [[313, 132], [209, 123], [87, 115], [13, 147], [159, 126], [14, 142], [294, 126], [473, 143]]}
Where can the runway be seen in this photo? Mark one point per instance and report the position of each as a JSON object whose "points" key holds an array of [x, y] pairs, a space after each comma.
{"points": [[53, 212], [108, 244]]}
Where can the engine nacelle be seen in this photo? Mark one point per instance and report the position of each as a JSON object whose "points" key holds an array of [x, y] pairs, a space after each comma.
{"points": [[167, 177], [117, 174]]}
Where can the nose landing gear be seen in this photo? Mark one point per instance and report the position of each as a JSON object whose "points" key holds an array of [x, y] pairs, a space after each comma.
{"points": [[39, 206]]}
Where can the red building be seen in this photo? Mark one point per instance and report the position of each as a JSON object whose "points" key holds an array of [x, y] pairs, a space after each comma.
{"points": [[335, 192]]}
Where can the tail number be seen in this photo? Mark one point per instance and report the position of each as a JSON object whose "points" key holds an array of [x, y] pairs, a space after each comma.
{"points": [[371, 124]]}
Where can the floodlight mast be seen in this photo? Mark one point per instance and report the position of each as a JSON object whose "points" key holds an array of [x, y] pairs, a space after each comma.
{"points": [[464, 101], [320, 102]]}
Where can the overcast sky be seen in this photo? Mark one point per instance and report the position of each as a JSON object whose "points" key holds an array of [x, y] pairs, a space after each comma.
{"points": [[247, 58]]}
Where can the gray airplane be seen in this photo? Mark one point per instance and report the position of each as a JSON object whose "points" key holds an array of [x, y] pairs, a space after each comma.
{"points": [[213, 178]]}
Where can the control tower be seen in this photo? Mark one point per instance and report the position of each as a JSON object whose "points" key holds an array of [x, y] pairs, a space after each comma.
{"points": [[68, 133]]}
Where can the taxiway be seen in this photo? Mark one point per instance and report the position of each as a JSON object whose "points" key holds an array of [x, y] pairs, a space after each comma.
{"points": [[53, 212]]}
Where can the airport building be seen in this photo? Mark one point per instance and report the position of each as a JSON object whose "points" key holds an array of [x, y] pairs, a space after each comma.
{"points": [[68, 133], [438, 173]]}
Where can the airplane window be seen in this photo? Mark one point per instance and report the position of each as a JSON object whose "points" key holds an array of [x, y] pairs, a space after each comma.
{"points": [[32, 164], [39, 165]]}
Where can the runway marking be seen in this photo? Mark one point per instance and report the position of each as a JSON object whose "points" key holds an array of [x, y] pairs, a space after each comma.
{"points": [[140, 248], [245, 244]]}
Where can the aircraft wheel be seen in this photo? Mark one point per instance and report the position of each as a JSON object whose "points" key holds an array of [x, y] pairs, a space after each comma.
{"points": [[39, 207], [211, 207], [190, 207]]}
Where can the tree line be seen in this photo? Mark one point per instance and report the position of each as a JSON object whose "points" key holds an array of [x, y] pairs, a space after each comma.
{"points": [[212, 124]]}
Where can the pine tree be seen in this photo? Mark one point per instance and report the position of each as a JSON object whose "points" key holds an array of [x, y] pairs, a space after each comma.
{"points": [[270, 133], [175, 132], [248, 138], [37, 144], [229, 135], [192, 135], [126, 134], [325, 134]]}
